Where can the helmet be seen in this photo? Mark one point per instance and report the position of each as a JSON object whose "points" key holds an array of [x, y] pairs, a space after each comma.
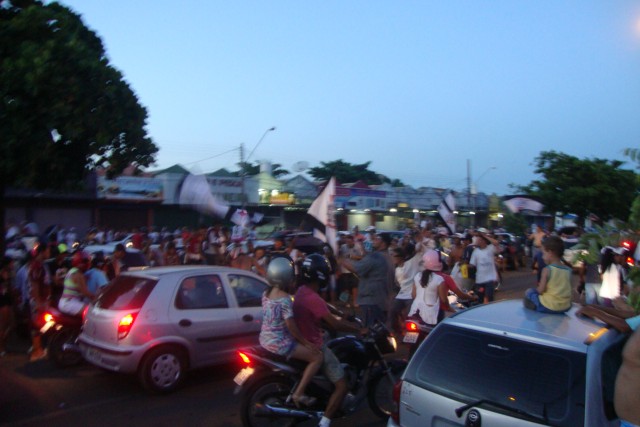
{"points": [[431, 260], [315, 267], [280, 272], [79, 258]]}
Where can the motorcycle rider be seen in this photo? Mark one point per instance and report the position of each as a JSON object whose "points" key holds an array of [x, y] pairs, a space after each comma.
{"points": [[75, 292], [279, 333], [309, 310]]}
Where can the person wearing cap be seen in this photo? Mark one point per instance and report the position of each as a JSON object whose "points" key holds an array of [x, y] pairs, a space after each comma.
{"points": [[428, 289], [483, 262]]}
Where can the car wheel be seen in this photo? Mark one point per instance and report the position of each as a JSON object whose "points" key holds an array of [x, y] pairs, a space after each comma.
{"points": [[163, 369]]}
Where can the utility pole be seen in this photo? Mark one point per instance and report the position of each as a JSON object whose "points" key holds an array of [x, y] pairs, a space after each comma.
{"points": [[242, 173], [469, 193]]}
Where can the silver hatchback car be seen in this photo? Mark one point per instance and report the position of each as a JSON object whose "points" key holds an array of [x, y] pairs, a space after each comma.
{"points": [[503, 365], [161, 322]]}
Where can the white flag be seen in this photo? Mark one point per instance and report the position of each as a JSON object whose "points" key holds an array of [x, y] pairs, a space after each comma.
{"points": [[195, 192], [446, 209], [321, 216]]}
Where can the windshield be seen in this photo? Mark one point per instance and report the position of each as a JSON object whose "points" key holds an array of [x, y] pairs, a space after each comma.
{"points": [[126, 293], [472, 366]]}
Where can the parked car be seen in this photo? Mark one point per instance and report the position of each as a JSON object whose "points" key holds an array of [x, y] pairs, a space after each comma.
{"points": [[501, 364], [161, 322]]}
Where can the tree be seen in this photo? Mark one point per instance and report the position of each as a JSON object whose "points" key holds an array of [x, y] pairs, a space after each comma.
{"points": [[347, 172], [583, 186], [64, 110]]}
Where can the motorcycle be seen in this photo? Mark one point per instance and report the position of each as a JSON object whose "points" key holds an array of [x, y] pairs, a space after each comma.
{"points": [[62, 331], [416, 330], [267, 382]]}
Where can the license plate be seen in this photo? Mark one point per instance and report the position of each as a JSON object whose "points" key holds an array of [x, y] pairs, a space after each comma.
{"points": [[93, 354], [243, 375], [47, 326], [410, 337]]}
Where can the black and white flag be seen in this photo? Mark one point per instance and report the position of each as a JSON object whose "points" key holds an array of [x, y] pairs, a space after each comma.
{"points": [[321, 216], [446, 211]]}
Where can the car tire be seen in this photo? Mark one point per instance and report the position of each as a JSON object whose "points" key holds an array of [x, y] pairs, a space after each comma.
{"points": [[380, 395], [163, 369]]}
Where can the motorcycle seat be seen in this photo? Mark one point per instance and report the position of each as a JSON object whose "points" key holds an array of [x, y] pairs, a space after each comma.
{"points": [[65, 319]]}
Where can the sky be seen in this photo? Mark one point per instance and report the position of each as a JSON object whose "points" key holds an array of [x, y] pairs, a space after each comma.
{"points": [[434, 93]]}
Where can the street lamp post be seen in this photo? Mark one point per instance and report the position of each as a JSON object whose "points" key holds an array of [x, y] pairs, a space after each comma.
{"points": [[245, 163]]}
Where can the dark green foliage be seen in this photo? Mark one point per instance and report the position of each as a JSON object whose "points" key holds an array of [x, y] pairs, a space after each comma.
{"points": [[347, 172], [64, 110], [583, 186]]}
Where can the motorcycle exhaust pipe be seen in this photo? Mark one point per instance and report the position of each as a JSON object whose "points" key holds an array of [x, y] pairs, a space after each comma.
{"points": [[277, 411], [71, 347]]}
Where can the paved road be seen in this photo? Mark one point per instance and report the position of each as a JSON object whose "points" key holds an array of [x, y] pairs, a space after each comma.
{"points": [[34, 394]]}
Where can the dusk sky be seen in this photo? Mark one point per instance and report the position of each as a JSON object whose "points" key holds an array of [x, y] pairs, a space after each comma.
{"points": [[415, 87]]}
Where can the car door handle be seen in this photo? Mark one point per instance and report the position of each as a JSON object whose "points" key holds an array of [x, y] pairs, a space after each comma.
{"points": [[184, 322], [247, 318]]}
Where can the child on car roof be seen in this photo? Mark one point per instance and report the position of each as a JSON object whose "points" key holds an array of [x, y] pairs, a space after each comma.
{"points": [[553, 294]]}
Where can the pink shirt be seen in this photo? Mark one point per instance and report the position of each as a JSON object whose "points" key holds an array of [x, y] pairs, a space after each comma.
{"points": [[308, 309]]}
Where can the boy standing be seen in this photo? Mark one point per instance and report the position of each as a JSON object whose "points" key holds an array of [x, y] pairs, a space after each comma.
{"points": [[553, 294]]}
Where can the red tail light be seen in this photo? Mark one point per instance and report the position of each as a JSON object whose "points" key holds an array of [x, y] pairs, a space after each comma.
{"points": [[84, 312], [630, 261], [411, 326], [245, 358], [125, 325], [397, 392], [48, 317], [626, 244]]}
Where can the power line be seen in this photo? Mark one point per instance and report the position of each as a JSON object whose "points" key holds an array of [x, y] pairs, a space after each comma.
{"points": [[212, 157]]}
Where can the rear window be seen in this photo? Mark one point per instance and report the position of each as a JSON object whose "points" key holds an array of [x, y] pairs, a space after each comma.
{"points": [[126, 293], [468, 365]]}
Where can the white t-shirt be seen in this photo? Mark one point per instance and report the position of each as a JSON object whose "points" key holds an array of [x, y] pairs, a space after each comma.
{"points": [[427, 301], [610, 283], [484, 260], [406, 274]]}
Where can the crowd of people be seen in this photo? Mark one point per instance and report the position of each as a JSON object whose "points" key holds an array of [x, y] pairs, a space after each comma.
{"points": [[386, 277]]}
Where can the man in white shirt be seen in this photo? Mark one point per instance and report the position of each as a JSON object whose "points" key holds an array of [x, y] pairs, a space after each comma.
{"points": [[483, 262]]}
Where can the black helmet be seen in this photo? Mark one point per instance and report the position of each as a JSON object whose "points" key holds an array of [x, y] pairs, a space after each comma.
{"points": [[315, 267], [280, 272]]}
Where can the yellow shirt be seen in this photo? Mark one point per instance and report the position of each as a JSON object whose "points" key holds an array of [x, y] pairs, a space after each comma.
{"points": [[557, 297]]}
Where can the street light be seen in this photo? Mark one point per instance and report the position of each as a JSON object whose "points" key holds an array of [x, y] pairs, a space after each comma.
{"points": [[244, 163], [271, 129]]}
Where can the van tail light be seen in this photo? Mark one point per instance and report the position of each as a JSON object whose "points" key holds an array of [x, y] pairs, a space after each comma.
{"points": [[397, 392], [126, 322], [245, 358], [411, 326]]}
